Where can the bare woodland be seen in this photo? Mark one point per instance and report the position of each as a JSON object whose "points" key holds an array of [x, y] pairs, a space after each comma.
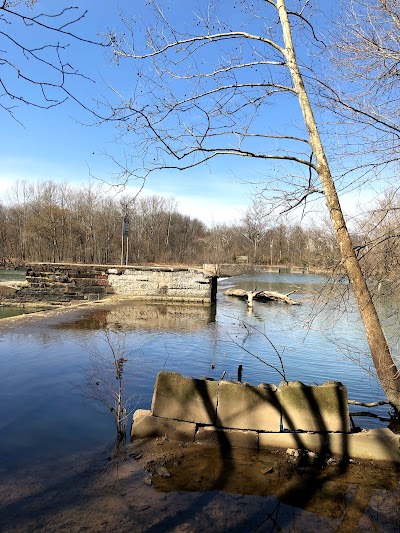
{"points": [[56, 222]]}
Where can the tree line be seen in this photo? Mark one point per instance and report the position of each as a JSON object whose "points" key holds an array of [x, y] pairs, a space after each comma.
{"points": [[56, 222], [50, 221]]}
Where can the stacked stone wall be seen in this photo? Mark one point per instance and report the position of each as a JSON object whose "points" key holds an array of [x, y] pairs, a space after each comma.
{"points": [[65, 283]]}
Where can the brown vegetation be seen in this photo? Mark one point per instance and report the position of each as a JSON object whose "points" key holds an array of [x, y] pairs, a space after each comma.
{"points": [[54, 222]]}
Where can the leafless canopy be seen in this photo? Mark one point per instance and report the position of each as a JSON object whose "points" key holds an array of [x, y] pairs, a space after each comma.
{"points": [[210, 88], [366, 50], [35, 69]]}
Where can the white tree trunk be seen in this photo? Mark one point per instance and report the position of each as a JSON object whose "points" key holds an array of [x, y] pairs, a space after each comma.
{"points": [[380, 352]]}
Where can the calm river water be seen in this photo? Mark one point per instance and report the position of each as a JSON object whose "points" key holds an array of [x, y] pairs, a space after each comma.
{"points": [[43, 405], [47, 415]]}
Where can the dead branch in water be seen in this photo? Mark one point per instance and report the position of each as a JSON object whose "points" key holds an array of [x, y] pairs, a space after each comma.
{"points": [[370, 404], [262, 296]]}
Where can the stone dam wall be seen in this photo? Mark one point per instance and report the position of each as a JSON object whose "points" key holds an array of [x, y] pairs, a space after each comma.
{"points": [[69, 282], [232, 414]]}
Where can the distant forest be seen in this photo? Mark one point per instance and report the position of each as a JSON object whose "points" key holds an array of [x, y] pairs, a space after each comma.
{"points": [[55, 222]]}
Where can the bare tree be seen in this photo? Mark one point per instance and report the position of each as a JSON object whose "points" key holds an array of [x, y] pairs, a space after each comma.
{"points": [[365, 46], [34, 68], [200, 94], [105, 384], [255, 225]]}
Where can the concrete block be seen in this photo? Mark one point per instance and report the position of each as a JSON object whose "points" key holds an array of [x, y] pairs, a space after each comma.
{"points": [[315, 442], [181, 398], [246, 407], [314, 408], [379, 444], [148, 426], [139, 414], [200, 294], [227, 438]]}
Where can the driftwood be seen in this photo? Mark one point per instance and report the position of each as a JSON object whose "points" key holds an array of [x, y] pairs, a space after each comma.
{"points": [[370, 404], [263, 296]]}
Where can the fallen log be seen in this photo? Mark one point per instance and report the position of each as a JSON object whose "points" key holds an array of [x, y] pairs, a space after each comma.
{"points": [[369, 404], [263, 296]]}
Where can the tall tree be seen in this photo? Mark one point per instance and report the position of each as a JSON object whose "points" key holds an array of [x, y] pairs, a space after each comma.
{"points": [[201, 93], [255, 225]]}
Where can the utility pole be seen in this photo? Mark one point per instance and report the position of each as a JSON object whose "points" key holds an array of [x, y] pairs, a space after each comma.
{"points": [[125, 239]]}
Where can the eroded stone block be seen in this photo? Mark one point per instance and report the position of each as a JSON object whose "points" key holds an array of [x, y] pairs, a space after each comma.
{"points": [[246, 407], [321, 408], [149, 426], [227, 438], [315, 442], [181, 398], [379, 444]]}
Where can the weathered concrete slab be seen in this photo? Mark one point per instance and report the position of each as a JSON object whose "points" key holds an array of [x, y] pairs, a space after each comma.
{"points": [[187, 399], [315, 442], [180, 405], [314, 408], [379, 444], [148, 426], [246, 407], [183, 284], [227, 438], [139, 414]]}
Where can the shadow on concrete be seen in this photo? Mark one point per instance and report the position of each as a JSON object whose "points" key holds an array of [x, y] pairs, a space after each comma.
{"points": [[309, 481]]}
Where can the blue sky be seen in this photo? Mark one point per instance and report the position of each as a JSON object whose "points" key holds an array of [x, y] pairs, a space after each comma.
{"points": [[60, 144]]}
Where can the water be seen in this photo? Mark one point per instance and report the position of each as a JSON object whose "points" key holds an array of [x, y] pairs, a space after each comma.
{"points": [[12, 275], [49, 415], [9, 276], [48, 364]]}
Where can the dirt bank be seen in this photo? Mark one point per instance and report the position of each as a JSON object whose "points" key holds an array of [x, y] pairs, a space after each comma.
{"points": [[162, 486]]}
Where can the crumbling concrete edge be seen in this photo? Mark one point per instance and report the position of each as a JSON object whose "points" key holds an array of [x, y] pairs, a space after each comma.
{"points": [[379, 444], [235, 415]]}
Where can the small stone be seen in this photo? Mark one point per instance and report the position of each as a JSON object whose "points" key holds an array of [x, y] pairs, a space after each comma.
{"points": [[148, 480], [307, 470], [136, 455], [163, 472], [267, 470], [293, 452]]}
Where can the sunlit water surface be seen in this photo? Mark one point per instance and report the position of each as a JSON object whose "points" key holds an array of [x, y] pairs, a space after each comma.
{"points": [[46, 413], [44, 409]]}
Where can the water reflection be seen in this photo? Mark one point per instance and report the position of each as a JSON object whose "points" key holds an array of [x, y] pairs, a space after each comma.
{"points": [[326, 491], [130, 316]]}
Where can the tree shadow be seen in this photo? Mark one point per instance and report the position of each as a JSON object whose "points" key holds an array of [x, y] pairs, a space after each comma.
{"points": [[309, 481]]}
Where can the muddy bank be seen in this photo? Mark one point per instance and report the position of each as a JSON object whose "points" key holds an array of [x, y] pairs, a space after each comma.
{"points": [[162, 486]]}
